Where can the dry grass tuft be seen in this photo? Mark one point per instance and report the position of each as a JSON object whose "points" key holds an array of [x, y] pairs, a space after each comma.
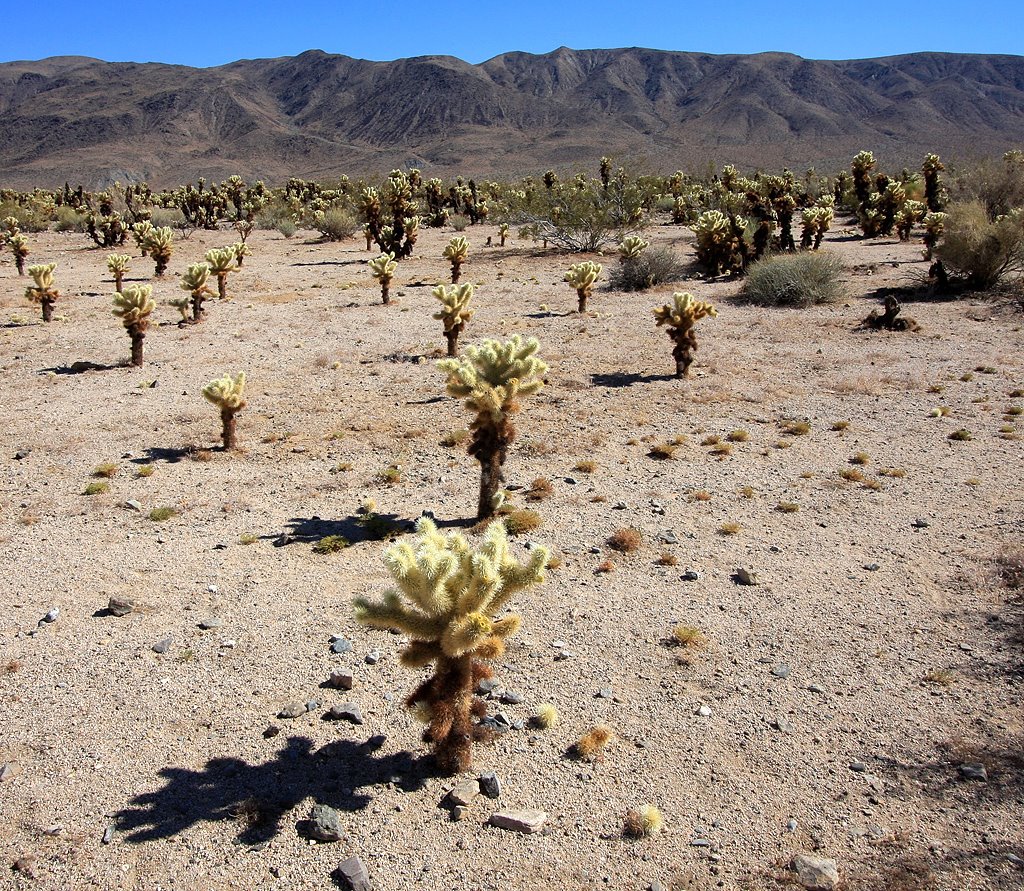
{"points": [[540, 489], [961, 435], [738, 436], [96, 488], [663, 451], [851, 475], [796, 428], [626, 540], [667, 559], [586, 466], [105, 470], [861, 458], [729, 528], [642, 823], [519, 522], [787, 507], [591, 746], [604, 567]]}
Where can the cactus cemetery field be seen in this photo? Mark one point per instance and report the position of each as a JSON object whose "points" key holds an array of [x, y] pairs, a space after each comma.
{"points": [[783, 584]]}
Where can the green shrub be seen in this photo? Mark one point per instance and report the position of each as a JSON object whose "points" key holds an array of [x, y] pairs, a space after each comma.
{"points": [[286, 227], [793, 280], [651, 267], [166, 216], [979, 250], [69, 220], [335, 224], [460, 222]]}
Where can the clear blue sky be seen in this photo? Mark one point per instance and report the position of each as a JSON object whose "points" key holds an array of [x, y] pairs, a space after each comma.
{"points": [[212, 33]]}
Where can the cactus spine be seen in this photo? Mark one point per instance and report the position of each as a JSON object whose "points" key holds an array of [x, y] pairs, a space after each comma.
{"points": [[582, 276], [680, 317], [43, 292], [491, 378], [133, 305], [447, 599], [383, 269], [456, 251], [454, 312], [118, 266], [226, 393], [221, 261]]}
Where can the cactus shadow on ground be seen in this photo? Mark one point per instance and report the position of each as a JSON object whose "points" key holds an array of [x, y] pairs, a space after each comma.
{"points": [[354, 529], [82, 367], [341, 774], [616, 379]]}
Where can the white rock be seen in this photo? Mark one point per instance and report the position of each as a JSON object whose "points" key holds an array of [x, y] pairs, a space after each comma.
{"points": [[527, 822]]}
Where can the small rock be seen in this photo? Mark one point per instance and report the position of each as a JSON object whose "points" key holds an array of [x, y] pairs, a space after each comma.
{"points": [[51, 616], [783, 724], [974, 771], [210, 623], [324, 824], [340, 680], [285, 538], [132, 504], [657, 886], [691, 575], [791, 825], [340, 645], [781, 671], [351, 875], [1014, 859], [211, 589], [620, 505], [571, 480], [558, 644], [487, 685], [21, 454], [527, 822], [345, 712], [373, 657], [511, 698], [490, 785], [871, 567], [858, 766], [700, 843], [162, 645], [108, 835], [562, 655], [815, 688], [669, 537], [26, 866], [604, 693], [292, 710], [815, 873], [920, 523], [704, 711], [465, 792], [744, 576], [271, 731], [312, 705], [120, 606], [8, 772], [460, 812]]}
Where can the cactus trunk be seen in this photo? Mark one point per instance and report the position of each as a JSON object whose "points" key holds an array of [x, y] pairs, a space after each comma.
{"points": [[197, 308], [456, 272], [686, 343], [227, 418], [385, 293], [491, 478], [222, 285], [47, 305], [19, 262], [137, 339], [453, 342], [449, 694], [118, 281], [582, 295]]}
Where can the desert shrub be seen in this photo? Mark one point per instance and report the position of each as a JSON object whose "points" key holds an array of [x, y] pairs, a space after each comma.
{"points": [[166, 216], [980, 250], [335, 224], [651, 267], [69, 220], [460, 222], [31, 217], [997, 185], [273, 216], [793, 280]]}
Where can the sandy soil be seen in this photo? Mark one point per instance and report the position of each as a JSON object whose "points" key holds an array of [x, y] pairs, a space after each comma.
{"points": [[169, 750]]}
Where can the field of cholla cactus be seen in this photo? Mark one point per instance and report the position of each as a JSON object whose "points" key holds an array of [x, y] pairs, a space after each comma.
{"points": [[759, 434]]}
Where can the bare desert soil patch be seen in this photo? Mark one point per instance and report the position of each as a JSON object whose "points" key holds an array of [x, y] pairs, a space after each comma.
{"points": [[880, 635]]}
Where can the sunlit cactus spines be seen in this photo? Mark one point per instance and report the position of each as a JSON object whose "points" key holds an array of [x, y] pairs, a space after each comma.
{"points": [[383, 269], [42, 290], [241, 250], [227, 393], [492, 377], [680, 317], [931, 168], [454, 312], [118, 264], [141, 232], [910, 213], [19, 248], [581, 277], [221, 262], [861, 167], [12, 226], [502, 233], [194, 281], [450, 600], [934, 226], [632, 246], [890, 202], [456, 252], [160, 245], [133, 306], [720, 242], [815, 223]]}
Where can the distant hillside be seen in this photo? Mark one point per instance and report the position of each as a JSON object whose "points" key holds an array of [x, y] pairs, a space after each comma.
{"points": [[318, 115]]}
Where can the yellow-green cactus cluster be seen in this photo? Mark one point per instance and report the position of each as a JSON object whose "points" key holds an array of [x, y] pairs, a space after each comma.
{"points": [[42, 291], [19, 247], [719, 241], [581, 277], [221, 262], [816, 221], [133, 304], [117, 265], [159, 244], [934, 227], [456, 252], [383, 269], [910, 213], [454, 311], [141, 232], [680, 316], [632, 246], [227, 391]]}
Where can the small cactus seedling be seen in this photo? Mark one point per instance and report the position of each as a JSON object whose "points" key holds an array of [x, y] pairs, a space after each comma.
{"points": [[502, 233], [159, 245], [456, 251], [491, 378], [454, 312], [383, 269], [19, 247], [118, 266], [221, 261], [194, 281], [447, 598], [133, 305], [226, 393], [241, 250], [680, 317], [582, 276], [43, 291]]}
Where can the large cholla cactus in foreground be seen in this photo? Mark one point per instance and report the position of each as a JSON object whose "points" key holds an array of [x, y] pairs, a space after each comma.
{"points": [[159, 244], [221, 261], [383, 269], [454, 312], [19, 247], [134, 305], [118, 264], [447, 598], [43, 291], [491, 378], [226, 393], [456, 252], [681, 316], [582, 276]]}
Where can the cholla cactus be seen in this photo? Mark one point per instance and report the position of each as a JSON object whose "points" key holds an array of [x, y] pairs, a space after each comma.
{"points": [[226, 393], [221, 261], [491, 378], [931, 168], [244, 228], [447, 599], [43, 291], [863, 164], [194, 281], [890, 203], [582, 276], [118, 266], [241, 250], [632, 246], [159, 245], [720, 242], [454, 312], [503, 233], [815, 223], [141, 232], [368, 235], [911, 212], [456, 251], [19, 247], [934, 226], [133, 305], [680, 317], [12, 226], [383, 269]]}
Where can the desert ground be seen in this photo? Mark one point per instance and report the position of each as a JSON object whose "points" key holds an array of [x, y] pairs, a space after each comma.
{"points": [[861, 702]]}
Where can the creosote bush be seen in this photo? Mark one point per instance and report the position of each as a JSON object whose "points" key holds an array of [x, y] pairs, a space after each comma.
{"points": [[803, 279], [133, 306], [448, 598], [42, 290], [227, 394], [680, 317], [651, 267], [454, 312], [980, 250]]}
